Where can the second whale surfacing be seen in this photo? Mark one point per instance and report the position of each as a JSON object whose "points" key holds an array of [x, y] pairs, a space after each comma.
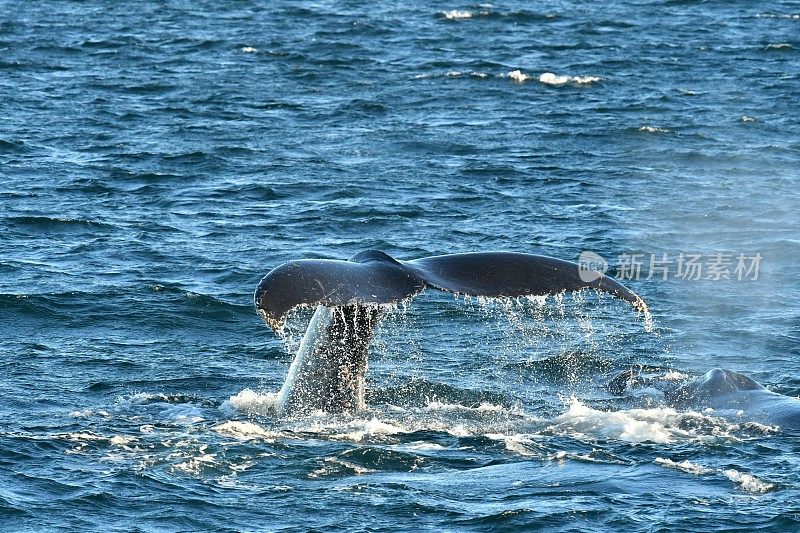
{"points": [[719, 392], [738, 397], [327, 373]]}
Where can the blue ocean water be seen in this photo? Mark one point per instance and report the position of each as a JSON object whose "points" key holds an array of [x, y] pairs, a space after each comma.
{"points": [[158, 158]]}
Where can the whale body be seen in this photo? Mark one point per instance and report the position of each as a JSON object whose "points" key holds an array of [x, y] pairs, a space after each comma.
{"points": [[738, 397], [327, 373], [724, 392]]}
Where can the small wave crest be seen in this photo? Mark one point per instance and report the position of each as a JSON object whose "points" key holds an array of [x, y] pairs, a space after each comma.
{"points": [[461, 14], [242, 430], [251, 402], [548, 78], [552, 79], [746, 482], [653, 129], [661, 425], [778, 16]]}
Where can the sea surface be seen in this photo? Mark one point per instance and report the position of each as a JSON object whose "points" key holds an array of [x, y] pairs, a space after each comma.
{"points": [[158, 158]]}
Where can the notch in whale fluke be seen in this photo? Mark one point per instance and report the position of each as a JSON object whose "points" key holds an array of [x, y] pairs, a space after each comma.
{"points": [[373, 277]]}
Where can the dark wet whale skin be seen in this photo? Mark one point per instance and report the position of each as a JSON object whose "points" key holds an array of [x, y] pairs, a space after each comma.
{"points": [[728, 393], [328, 372]]}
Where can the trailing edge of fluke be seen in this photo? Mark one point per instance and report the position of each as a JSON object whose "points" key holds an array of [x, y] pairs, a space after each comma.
{"points": [[373, 277]]}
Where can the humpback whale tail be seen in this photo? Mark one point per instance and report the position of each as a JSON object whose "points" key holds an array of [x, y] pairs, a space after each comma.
{"points": [[373, 277], [328, 372]]}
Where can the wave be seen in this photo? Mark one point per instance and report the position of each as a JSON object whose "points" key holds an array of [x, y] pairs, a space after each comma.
{"points": [[549, 78], [458, 14], [511, 424], [653, 129], [663, 425], [746, 482], [170, 303], [10, 147], [252, 403], [778, 16], [453, 74], [52, 223], [565, 367], [518, 76], [485, 11]]}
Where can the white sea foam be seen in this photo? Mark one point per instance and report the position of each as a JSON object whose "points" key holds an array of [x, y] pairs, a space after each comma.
{"points": [[778, 16], [249, 49], [421, 445], [659, 424], [121, 440], [185, 416], [88, 413], [516, 443], [456, 14], [359, 429], [552, 79], [747, 482], [483, 407], [81, 436], [245, 431], [251, 402], [653, 129], [194, 465], [745, 118], [459, 430], [674, 375], [518, 76], [779, 46], [334, 466], [685, 466]]}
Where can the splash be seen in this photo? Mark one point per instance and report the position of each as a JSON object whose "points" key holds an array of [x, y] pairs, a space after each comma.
{"points": [[251, 402], [549, 78], [748, 482], [654, 129], [246, 431], [663, 425], [518, 76], [547, 324], [460, 14]]}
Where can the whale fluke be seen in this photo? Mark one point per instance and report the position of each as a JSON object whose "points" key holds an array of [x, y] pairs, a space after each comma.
{"points": [[327, 374], [373, 277]]}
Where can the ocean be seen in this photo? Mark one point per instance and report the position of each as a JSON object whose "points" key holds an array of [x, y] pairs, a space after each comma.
{"points": [[158, 158]]}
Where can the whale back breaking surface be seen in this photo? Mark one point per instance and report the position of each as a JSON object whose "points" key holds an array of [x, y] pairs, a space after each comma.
{"points": [[725, 392]]}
